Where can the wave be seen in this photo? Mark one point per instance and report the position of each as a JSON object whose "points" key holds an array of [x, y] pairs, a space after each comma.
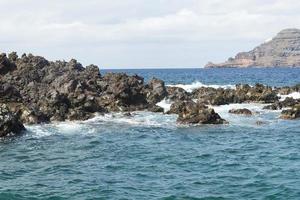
{"points": [[294, 95], [103, 122], [139, 118], [259, 114], [197, 84]]}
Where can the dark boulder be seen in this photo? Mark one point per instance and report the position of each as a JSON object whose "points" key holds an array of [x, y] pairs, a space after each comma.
{"points": [[6, 65], [278, 105], [292, 113], [155, 91], [9, 123], [177, 94], [190, 112], [243, 111]]}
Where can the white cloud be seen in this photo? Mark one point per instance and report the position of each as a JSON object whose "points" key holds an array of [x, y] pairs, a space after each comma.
{"points": [[121, 29]]}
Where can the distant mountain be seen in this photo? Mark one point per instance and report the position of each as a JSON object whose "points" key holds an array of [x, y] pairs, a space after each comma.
{"points": [[281, 51]]}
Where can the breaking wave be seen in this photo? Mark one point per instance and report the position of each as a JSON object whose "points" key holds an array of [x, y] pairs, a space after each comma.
{"points": [[197, 84], [294, 95]]}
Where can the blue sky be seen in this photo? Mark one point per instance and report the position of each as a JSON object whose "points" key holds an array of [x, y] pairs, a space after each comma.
{"points": [[142, 33]]}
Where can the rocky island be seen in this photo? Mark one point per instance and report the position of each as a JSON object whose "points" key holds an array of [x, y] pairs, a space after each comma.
{"points": [[34, 90], [281, 51]]}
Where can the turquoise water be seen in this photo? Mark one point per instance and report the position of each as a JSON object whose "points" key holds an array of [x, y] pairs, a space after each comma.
{"points": [[149, 156]]}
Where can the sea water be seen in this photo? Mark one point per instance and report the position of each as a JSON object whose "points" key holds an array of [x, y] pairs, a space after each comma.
{"points": [[149, 156]]}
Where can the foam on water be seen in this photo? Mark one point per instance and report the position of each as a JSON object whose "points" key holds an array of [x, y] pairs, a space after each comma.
{"points": [[294, 95], [197, 84], [136, 119], [140, 118], [259, 114]]}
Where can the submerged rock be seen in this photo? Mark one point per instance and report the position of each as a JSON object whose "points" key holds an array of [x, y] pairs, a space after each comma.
{"points": [[9, 123], [243, 111]]}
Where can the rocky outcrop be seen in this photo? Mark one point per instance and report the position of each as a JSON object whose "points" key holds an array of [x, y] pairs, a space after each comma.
{"points": [[190, 112], [293, 113], [155, 91], [177, 94], [278, 105], [243, 111], [9, 123], [242, 93], [39, 90], [282, 51]]}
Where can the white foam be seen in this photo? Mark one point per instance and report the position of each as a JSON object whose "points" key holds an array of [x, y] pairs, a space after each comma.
{"points": [[259, 114], [165, 104], [68, 127], [294, 95], [140, 118], [197, 84], [39, 130]]}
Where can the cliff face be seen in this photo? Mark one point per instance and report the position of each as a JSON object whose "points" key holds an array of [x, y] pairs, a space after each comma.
{"points": [[282, 51]]}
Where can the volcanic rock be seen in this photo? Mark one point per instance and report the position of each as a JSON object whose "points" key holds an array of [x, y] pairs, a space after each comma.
{"points": [[243, 111], [9, 123]]}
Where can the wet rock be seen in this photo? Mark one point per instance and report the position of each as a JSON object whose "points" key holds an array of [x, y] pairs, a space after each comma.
{"points": [[190, 112], [9, 123], [260, 123], [273, 106], [155, 109], [292, 113], [278, 105], [243, 111]]}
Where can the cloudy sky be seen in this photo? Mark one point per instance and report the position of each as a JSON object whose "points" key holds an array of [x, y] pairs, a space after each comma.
{"points": [[142, 33]]}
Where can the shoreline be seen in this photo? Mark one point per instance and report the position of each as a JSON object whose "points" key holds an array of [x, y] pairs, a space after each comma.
{"points": [[36, 90]]}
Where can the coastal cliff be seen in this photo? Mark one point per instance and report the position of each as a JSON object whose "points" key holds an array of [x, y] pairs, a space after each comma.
{"points": [[281, 51]]}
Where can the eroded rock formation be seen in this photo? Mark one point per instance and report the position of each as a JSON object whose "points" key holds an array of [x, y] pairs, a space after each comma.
{"points": [[282, 51]]}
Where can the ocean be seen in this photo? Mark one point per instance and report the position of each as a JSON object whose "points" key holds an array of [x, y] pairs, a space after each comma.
{"points": [[149, 156]]}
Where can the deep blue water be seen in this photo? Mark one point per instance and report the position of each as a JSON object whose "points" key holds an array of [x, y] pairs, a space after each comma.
{"points": [[148, 156], [268, 76]]}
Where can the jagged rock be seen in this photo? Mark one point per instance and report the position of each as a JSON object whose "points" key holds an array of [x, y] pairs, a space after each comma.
{"points": [[282, 51], [9, 123], [155, 91], [292, 113], [243, 111], [177, 94], [242, 93], [190, 112], [5, 64], [278, 105], [122, 92]]}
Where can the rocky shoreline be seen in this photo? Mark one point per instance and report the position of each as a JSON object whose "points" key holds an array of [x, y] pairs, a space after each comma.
{"points": [[34, 90]]}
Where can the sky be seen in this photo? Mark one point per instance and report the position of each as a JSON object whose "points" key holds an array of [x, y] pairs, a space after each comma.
{"points": [[142, 33]]}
